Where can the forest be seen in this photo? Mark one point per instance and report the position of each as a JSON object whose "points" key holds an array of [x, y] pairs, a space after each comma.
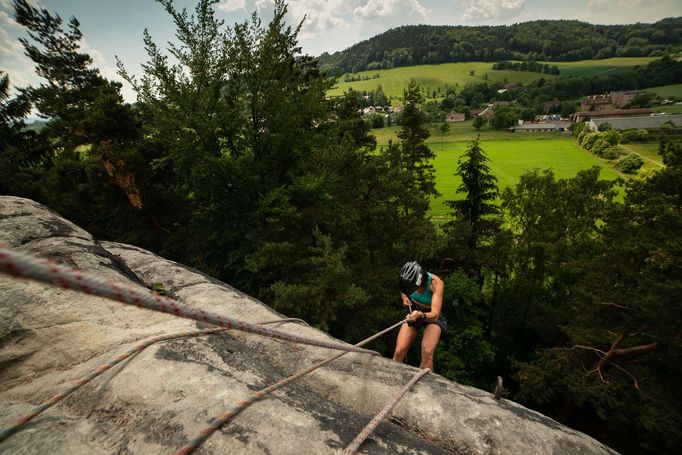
{"points": [[558, 40], [234, 161]]}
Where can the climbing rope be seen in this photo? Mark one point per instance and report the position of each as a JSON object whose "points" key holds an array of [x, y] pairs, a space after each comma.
{"points": [[20, 422], [26, 266], [219, 421], [360, 438]]}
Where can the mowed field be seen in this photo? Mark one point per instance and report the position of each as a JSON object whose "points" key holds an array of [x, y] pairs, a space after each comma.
{"points": [[666, 90], [508, 161], [432, 77], [510, 154]]}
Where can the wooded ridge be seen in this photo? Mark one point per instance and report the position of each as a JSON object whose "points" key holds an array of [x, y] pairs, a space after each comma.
{"points": [[562, 40]]}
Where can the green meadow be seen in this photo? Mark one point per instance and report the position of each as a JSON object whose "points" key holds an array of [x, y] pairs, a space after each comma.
{"points": [[666, 90], [432, 77], [510, 159], [510, 154], [600, 67]]}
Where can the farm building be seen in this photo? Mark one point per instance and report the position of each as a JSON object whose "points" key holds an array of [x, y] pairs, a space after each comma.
{"points": [[587, 115], [455, 117], [486, 113], [648, 122], [541, 127], [609, 101]]}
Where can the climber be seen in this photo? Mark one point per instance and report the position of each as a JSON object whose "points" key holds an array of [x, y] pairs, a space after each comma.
{"points": [[422, 294]]}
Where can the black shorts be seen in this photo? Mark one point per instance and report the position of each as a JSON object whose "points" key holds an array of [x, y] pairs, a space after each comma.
{"points": [[441, 322]]}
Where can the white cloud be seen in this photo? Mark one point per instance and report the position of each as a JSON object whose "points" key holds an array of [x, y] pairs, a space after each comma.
{"points": [[483, 10], [231, 5], [374, 9], [19, 67], [320, 16]]}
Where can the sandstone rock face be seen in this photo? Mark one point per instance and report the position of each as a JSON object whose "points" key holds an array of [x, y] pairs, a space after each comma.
{"points": [[161, 398]]}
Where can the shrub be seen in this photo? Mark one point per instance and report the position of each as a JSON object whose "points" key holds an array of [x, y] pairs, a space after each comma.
{"points": [[599, 146], [613, 152], [630, 164], [589, 139]]}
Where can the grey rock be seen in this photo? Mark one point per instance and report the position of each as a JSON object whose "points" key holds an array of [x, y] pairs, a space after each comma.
{"points": [[161, 398]]}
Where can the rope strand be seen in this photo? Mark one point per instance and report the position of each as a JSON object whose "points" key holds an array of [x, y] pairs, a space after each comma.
{"points": [[219, 421], [22, 421], [26, 266], [371, 426]]}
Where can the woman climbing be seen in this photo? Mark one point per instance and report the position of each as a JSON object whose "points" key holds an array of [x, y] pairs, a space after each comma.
{"points": [[422, 293]]}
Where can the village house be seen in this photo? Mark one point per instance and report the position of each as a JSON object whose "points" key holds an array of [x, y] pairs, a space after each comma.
{"points": [[623, 98], [453, 117], [486, 113], [596, 102], [647, 122]]}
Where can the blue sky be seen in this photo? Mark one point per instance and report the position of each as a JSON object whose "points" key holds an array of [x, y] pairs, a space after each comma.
{"points": [[115, 27]]}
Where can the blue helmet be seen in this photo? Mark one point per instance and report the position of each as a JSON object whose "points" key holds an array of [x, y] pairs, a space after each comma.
{"points": [[412, 277]]}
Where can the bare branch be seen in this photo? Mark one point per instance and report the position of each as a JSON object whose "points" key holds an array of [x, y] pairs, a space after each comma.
{"points": [[638, 350], [615, 305]]}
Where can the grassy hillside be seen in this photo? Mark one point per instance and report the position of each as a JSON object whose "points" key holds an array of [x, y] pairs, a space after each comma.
{"points": [[431, 77], [667, 90], [601, 67]]}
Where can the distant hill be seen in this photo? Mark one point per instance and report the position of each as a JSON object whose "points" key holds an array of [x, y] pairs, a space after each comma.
{"points": [[543, 40]]}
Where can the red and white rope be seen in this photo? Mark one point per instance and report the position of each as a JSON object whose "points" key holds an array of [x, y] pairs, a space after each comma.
{"points": [[26, 266], [360, 438]]}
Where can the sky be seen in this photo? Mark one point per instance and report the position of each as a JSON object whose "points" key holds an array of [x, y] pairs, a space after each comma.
{"points": [[115, 28]]}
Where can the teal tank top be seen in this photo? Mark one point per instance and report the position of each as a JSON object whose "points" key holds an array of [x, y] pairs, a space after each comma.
{"points": [[425, 297]]}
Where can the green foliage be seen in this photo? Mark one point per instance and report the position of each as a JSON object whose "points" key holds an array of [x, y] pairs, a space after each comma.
{"points": [[415, 154], [505, 117], [598, 142], [16, 156], [464, 355], [552, 222], [630, 163], [620, 363], [478, 185], [322, 286], [634, 135], [377, 121], [531, 66], [613, 152], [478, 122]]}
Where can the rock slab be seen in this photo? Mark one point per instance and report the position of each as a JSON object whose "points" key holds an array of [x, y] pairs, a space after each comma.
{"points": [[161, 398]]}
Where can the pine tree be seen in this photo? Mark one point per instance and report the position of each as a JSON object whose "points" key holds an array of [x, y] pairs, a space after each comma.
{"points": [[416, 156], [478, 185]]}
